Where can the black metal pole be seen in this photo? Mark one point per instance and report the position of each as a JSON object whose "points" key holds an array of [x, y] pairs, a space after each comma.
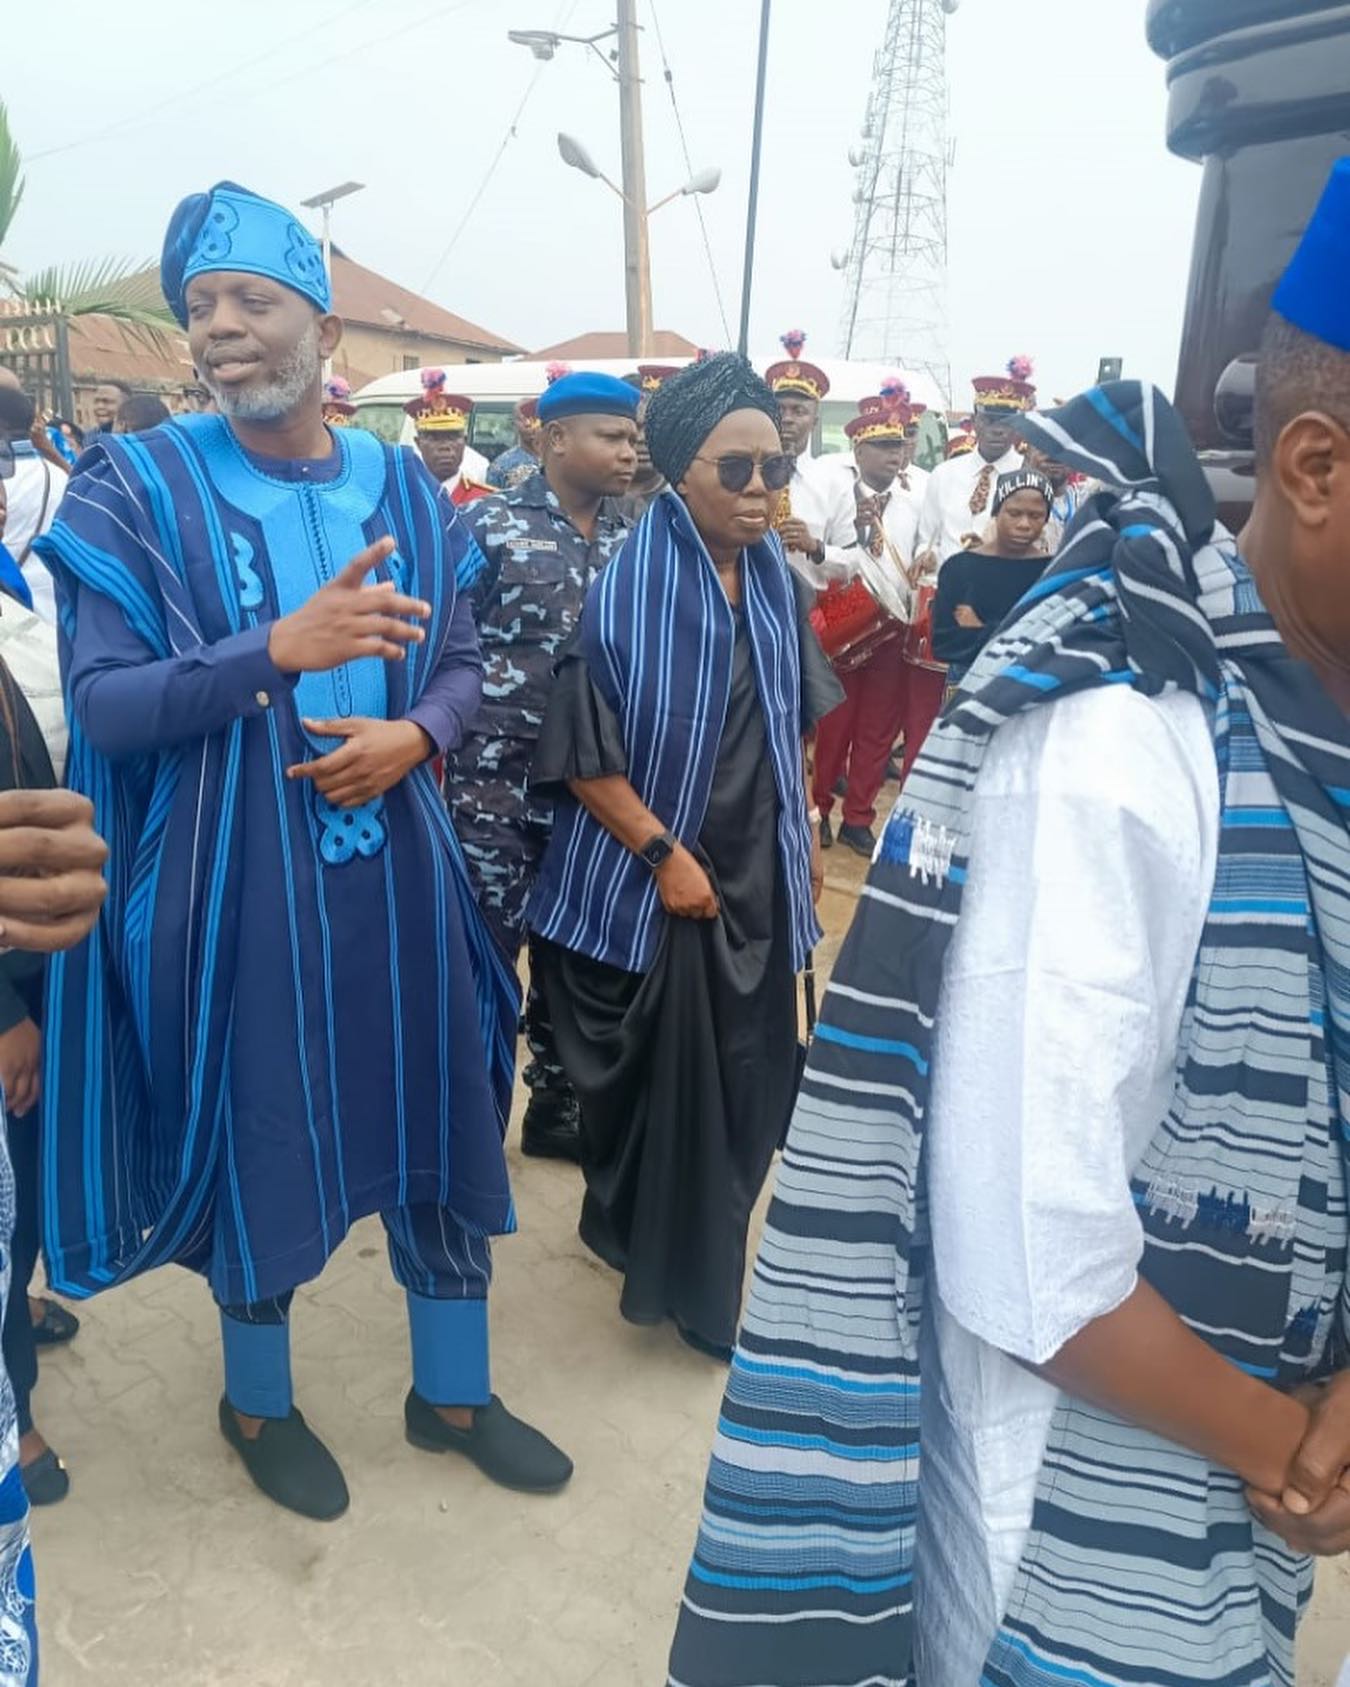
{"points": [[752, 211]]}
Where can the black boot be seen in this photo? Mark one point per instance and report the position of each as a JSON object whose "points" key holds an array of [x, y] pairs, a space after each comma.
{"points": [[552, 1127], [826, 832], [290, 1464], [860, 839], [507, 1451]]}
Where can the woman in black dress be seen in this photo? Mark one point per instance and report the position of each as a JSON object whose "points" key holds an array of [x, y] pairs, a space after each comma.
{"points": [[978, 589], [682, 1042]]}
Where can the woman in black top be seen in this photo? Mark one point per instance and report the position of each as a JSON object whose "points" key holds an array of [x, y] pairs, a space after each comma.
{"points": [[978, 589]]}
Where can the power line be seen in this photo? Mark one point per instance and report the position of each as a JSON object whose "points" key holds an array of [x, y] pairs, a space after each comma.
{"points": [[139, 118], [689, 166], [309, 68], [564, 18]]}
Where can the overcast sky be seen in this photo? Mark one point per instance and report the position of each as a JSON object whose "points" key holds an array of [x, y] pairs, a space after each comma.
{"points": [[1070, 225]]}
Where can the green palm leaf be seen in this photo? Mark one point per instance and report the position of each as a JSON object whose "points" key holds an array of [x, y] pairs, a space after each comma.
{"points": [[11, 176], [128, 294]]}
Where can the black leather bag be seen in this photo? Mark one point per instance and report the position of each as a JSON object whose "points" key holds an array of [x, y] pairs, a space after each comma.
{"points": [[804, 1043]]}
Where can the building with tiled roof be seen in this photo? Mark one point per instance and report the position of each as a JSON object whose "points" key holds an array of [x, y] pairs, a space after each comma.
{"points": [[606, 343]]}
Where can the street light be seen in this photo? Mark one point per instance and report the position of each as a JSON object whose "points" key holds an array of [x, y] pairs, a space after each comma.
{"points": [[574, 153], [324, 203], [544, 44]]}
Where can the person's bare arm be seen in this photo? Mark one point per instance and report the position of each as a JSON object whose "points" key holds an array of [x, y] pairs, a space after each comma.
{"points": [[685, 888], [1145, 1365]]}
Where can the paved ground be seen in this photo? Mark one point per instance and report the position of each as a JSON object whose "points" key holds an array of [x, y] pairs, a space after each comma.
{"points": [[164, 1569]]}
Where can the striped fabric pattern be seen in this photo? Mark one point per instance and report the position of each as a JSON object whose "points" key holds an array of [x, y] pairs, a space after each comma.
{"points": [[658, 635], [231, 927], [1144, 1565]]}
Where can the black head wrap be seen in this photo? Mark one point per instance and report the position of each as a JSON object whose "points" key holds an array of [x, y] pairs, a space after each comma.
{"points": [[1023, 480], [688, 406]]}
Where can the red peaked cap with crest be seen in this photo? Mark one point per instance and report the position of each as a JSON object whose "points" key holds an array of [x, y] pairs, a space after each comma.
{"points": [[438, 411], [795, 377], [1011, 394]]}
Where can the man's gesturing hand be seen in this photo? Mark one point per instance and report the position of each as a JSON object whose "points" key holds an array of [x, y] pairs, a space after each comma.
{"points": [[346, 619], [375, 756], [51, 870]]}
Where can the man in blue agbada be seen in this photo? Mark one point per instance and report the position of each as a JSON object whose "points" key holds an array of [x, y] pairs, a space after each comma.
{"points": [[291, 1015]]}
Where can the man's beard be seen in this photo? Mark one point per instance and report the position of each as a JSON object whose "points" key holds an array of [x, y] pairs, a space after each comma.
{"points": [[270, 403]]}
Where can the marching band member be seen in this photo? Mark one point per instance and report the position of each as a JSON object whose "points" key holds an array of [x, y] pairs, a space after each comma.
{"points": [[815, 515], [960, 496], [442, 422]]}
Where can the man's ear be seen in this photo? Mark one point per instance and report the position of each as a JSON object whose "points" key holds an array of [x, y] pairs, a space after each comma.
{"points": [[330, 333], [1310, 463]]}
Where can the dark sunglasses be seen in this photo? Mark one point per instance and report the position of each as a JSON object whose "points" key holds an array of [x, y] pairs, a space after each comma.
{"points": [[737, 469]]}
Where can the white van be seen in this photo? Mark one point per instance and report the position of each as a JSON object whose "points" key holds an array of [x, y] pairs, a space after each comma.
{"points": [[496, 389]]}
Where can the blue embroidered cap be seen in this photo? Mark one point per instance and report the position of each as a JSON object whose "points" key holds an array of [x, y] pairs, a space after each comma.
{"points": [[588, 394], [1313, 294], [231, 228]]}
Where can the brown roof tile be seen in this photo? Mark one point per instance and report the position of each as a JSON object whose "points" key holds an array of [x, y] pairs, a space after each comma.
{"points": [[359, 295], [606, 344]]}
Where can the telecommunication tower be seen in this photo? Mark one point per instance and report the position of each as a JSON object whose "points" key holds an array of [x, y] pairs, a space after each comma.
{"points": [[895, 303]]}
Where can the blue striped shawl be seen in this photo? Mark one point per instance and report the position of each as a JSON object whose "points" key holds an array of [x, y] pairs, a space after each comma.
{"points": [[658, 636], [1144, 1564], [145, 1079]]}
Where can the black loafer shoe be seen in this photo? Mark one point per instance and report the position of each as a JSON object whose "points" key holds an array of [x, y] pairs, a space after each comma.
{"points": [[551, 1130], [290, 1464], [507, 1451], [46, 1481], [860, 839], [826, 832], [57, 1327]]}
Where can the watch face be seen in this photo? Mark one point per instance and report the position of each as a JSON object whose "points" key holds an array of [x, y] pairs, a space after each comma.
{"points": [[657, 851]]}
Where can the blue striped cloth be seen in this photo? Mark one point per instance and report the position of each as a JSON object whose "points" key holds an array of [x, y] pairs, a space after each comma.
{"points": [[288, 1015], [658, 635], [1144, 1564]]}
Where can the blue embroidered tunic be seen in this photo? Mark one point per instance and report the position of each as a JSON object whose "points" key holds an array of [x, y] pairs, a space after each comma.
{"points": [[290, 1016]]}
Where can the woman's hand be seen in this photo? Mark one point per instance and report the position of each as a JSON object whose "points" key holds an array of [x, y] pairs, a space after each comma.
{"points": [[685, 889], [965, 616]]}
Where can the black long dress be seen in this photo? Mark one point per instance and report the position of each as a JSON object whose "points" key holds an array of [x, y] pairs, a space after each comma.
{"points": [[685, 1073]]}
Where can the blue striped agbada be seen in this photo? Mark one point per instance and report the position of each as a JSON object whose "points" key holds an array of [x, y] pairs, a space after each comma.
{"points": [[289, 1015], [1144, 1563]]}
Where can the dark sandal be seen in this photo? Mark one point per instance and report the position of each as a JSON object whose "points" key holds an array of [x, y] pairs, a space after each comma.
{"points": [[46, 1481], [57, 1326]]}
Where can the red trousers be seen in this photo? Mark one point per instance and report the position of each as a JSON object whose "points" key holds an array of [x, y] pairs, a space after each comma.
{"points": [[884, 697]]}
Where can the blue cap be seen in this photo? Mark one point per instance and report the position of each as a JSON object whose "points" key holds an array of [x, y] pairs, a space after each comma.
{"points": [[231, 228], [588, 394], [1315, 292]]}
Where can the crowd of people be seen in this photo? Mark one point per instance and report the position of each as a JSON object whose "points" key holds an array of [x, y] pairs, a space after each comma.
{"points": [[370, 735]]}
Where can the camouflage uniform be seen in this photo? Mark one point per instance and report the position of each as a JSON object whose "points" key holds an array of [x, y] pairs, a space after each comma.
{"points": [[527, 593]]}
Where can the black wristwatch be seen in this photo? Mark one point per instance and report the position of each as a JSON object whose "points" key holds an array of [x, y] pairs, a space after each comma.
{"points": [[658, 851]]}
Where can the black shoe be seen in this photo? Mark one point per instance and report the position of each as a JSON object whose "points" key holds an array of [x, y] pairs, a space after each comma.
{"points": [[57, 1326], [894, 772], [46, 1481], [551, 1129], [826, 832], [860, 839], [290, 1464], [507, 1451]]}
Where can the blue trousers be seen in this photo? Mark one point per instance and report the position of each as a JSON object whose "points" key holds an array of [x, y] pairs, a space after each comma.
{"points": [[445, 1273]]}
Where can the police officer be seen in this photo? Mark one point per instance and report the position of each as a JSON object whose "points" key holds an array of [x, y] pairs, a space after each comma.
{"points": [[542, 544]]}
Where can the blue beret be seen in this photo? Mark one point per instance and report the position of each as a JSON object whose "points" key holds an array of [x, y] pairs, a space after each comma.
{"points": [[231, 228], [1315, 294], [588, 394]]}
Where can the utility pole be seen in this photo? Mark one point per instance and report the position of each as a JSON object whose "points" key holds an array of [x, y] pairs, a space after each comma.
{"points": [[636, 251], [752, 209]]}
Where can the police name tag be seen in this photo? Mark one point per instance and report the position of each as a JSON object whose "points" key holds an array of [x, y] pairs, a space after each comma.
{"points": [[534, 544]]}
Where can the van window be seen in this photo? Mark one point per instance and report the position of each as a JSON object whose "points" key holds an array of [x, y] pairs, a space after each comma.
{"points": [[385, 421], [492, 428]]}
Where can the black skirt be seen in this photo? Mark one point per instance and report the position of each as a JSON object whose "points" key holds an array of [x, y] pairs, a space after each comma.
{"points": [[686, 1073]]}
